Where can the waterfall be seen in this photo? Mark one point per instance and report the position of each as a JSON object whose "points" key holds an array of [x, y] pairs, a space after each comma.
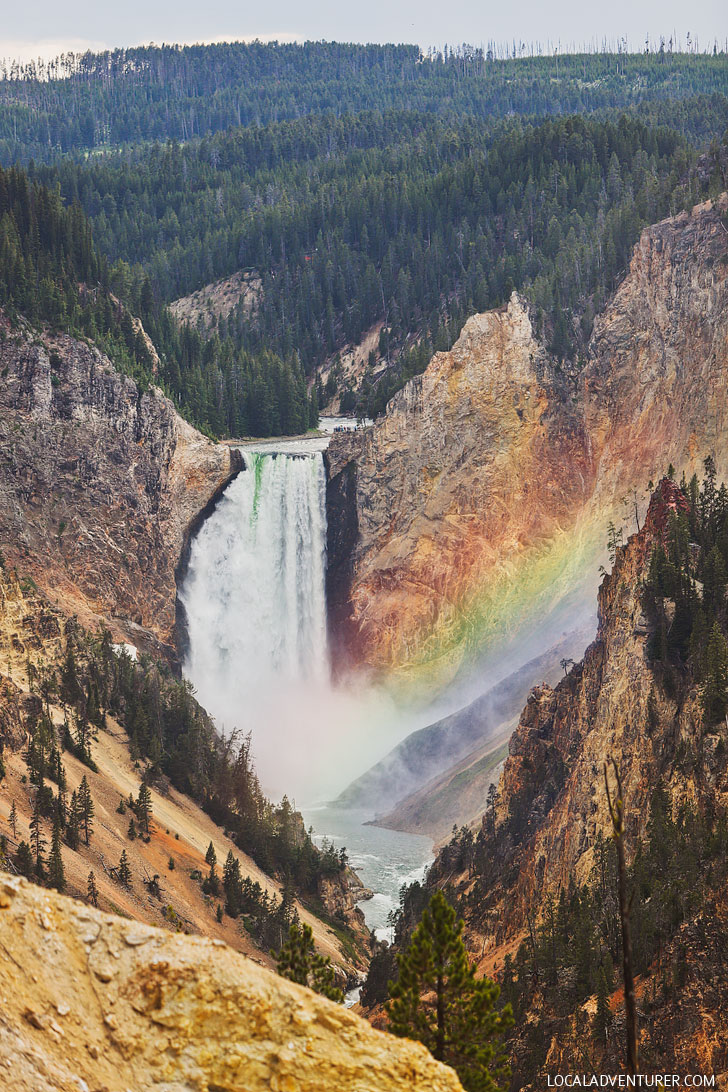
{"points": [[254, 592], [254, 596]]}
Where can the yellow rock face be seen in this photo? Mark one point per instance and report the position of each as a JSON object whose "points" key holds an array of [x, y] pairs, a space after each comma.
{"points": [[89, 1001], [482, 498]]}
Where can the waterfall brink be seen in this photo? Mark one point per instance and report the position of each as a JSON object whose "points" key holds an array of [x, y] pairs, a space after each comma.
{"points": [[255, 587]]}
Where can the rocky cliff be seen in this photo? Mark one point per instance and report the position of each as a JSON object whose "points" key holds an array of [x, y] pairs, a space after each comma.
{"points": [[482, 497], [537, 886], [458, 488], [91, 1001], [552, 799], [100, 484]]}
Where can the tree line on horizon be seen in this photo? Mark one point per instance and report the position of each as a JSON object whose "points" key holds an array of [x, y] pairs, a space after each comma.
{"points": [[82, 103]]}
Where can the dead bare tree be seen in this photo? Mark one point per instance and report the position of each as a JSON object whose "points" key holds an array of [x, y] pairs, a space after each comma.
{"points": [[616, 813]]}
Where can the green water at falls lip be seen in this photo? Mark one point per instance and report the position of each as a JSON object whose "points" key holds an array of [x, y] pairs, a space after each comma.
{"points": [[383, 859]]}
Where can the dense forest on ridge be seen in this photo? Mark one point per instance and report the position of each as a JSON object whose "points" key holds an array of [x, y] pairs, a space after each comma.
{"points": [[401, 220], [433, 201], [128, 96], [52, 274]]}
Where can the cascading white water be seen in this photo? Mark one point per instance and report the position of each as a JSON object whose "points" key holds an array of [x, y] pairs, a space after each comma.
{"points": [[254, 592], [254, 596]]}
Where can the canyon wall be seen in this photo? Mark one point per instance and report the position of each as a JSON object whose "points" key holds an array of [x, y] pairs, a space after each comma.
{"points": [[552, 798], [100, 484], [551, 815], [480, 502], [546, 840]]}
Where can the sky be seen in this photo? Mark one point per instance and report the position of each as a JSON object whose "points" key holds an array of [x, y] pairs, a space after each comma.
{"points": [[47, 27]]}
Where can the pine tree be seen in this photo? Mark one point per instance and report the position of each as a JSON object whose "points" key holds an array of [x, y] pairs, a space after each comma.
{"points": [[211, 886], [24, 860], [83, 739], [73, 828], [124, 870], [56, 873], [87, 810], [13, 820], [715, 687], [91, 890], [144, 806], [37, 841], [603, 1014], [232, 884], [299, 961], [438, 1001], [70, 688]]}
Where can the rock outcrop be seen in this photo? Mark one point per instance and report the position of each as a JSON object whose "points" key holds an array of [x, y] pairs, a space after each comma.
{"points": [[240, 292], [100, 483], [482, 497], [552, 798], [92, 1001], [463, 478]]}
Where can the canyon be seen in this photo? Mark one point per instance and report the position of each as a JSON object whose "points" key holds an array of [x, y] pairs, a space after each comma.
{"points": [[463, 527], [477, 508]]}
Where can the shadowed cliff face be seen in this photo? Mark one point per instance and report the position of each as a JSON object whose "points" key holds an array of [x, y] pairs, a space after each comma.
{"points": [[483, 495], [99, 484]]}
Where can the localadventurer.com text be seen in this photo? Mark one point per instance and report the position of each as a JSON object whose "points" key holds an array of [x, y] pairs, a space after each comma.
{"points": [[630, 1080]]}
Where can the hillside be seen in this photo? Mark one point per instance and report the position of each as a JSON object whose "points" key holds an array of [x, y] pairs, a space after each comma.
{"points": [[39, 717], [454, 798], [401, 221], [410, 767], [102, 100]]}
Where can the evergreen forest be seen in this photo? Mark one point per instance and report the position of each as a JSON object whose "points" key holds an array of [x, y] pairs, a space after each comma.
{"points": [[364, 190]]}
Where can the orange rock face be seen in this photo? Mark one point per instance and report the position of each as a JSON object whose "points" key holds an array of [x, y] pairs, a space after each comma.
{"points": [[482, 498]]}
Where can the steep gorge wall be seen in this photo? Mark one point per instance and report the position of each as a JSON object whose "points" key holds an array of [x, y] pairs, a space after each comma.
{"points": [[552, 797], [100, 484], [483, 496], [552, 814]]}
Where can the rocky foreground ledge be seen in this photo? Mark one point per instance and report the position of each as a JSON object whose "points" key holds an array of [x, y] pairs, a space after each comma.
{"points": [[92, 1002]]}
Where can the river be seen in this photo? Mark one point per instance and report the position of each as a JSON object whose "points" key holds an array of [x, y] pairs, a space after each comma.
{"points": [[383, 859]]}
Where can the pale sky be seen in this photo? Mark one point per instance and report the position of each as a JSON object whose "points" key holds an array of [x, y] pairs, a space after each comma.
{"points": [[47, 27]]}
